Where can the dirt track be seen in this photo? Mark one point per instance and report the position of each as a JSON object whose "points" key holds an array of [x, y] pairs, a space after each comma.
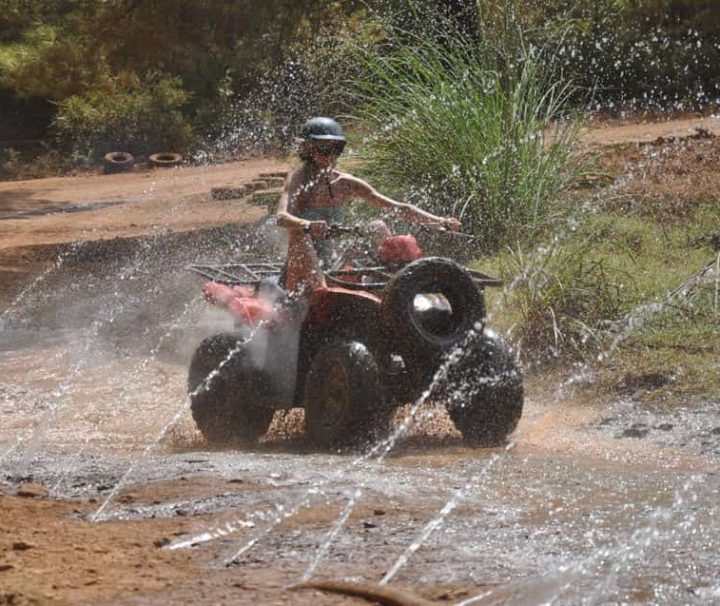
{"points": [[50, 211], [584, 505], [620, 132]]}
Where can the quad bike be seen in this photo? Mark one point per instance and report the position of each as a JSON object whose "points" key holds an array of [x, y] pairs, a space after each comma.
{"points": [[375, 338]]}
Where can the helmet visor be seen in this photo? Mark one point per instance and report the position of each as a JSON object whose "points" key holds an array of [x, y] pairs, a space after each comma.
{"points": [[328, 148]]}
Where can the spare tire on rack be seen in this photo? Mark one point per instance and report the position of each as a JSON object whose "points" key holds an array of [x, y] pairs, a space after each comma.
{"points": [[424, 336], [165, 160], [118, 162]]}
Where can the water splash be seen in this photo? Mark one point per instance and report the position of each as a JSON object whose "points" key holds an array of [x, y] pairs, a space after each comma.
{"points": [[60, 260], [444, 512], [201, 388], [334, 532], [150, 357], [60, 399], [636, 319], [604, 566]]}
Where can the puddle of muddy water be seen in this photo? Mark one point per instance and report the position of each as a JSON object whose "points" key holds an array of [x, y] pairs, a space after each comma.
{"points": [[536, 518]]}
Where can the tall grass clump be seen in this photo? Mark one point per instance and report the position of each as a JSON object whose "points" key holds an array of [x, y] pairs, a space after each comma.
{"points": [[462, 131], [563, 298]]}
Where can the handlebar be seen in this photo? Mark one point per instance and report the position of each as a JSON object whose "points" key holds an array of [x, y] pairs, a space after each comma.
{"points": [[336, 230], [434, 228]]}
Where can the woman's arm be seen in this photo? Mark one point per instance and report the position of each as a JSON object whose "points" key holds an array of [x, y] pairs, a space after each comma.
{"points": [[364, 191], [286, 205]]}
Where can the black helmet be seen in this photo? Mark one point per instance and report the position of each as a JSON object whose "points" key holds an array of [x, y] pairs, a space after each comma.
{"points": [[322, 129]]}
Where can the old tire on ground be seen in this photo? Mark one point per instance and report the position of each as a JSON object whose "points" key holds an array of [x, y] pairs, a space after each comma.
{"points": [[118, 162], [344, 399], [227, 407], [165, 160], [485, 390], [419, 339]]}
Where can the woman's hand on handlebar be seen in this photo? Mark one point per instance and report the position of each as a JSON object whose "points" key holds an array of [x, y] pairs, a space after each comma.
{"points": [[317, 229], [451, 224], [445, 224]]}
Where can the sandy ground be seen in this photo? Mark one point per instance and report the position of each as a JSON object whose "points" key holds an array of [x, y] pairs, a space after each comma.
{"points": [[126, 509], [65, 209], [618, 132]]}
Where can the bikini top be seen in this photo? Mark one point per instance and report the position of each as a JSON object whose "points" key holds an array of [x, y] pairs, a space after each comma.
{"points": [[329, 214]]}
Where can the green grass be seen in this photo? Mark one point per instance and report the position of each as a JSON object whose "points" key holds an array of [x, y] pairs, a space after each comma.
{"points": [[622, 294], [686, 354]]}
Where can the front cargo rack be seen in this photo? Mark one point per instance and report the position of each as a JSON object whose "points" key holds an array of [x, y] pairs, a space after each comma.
{"points": [[358, 278]]}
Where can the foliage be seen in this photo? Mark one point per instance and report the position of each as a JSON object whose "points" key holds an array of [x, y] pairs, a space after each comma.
{"points": [[633, 54], [461, 134], [563, 298], [32, 164], [9, 161], [639, 54], [48, 65], [606, 279], [143, 119], [219, 52]]}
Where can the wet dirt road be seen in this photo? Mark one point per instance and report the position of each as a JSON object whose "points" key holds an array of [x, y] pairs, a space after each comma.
{"points": [[582, 506]]}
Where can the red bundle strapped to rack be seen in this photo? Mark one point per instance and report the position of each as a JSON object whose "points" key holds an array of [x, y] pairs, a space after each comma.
{"points": [[399, 249], [249, 309]]}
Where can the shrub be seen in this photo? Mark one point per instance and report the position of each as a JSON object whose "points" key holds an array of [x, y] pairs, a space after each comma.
{"points": [[48, 63], [563, 298], [141, 119], [9, 161], [461, 135]]}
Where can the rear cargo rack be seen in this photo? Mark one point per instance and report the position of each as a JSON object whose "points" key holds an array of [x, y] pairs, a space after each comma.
{"points": [[234, 274]]}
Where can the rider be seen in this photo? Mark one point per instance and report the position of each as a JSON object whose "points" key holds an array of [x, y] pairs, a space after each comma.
{"points": [[314, 196]]}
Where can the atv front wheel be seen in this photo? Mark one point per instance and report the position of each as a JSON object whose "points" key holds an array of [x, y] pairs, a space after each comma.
{"points": [[226, 392], [485, 390], [344, 399]]}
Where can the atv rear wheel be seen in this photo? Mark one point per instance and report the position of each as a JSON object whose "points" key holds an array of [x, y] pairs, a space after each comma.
{"points": [[344, 399], [226, 392], [485, 390]]}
